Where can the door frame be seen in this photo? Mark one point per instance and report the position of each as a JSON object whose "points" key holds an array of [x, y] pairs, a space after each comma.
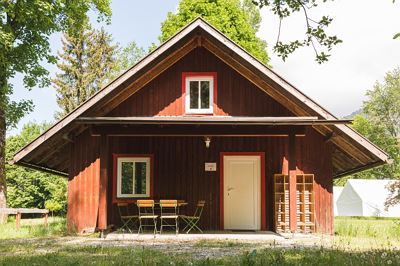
{"points": [[263, 188]]}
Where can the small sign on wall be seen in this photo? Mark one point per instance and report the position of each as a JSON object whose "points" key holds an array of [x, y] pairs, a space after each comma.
{"points": [[210, 167]]}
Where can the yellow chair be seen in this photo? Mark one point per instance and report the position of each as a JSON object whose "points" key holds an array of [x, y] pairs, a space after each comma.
{"points": [[169, 211], [146, 213]]}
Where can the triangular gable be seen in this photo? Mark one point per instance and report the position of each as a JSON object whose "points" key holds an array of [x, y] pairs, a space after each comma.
{"points": [[349, 195], [200, 33]]}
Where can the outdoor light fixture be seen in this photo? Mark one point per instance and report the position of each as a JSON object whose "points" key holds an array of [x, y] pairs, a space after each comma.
{"points": [[207, 141]]}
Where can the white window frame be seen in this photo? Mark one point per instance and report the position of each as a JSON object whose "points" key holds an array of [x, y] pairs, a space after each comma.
{"points": [[210, 108], [133, 160]]}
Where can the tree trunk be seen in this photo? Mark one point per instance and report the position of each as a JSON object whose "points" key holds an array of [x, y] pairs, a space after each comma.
{"points": [[3, 104], [3, 186]]}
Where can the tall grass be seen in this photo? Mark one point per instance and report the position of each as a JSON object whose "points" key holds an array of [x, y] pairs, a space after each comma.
{"points": [[381, 228], [106, 255], [33, 228]]}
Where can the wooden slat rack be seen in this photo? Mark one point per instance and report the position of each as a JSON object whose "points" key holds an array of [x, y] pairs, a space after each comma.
{"points": [[281, 202], [305, 203]]}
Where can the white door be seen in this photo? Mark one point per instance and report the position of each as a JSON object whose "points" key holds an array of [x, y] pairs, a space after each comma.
{"points": [[242, 192]]}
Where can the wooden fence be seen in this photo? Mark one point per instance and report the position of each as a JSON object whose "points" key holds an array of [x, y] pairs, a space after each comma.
{"points": [[19, 211]]}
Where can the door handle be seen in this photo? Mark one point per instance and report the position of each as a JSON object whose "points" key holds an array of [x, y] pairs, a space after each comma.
{"points": [[230, 188]]}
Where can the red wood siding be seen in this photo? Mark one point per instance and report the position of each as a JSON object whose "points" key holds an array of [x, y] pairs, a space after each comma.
{"points": [[178, 172], [179, 168], [236, 95], [83, 185]]}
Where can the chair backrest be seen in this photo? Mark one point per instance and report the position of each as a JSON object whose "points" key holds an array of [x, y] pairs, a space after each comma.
{"points": [[123, 209], [169, 207], [199, 208], [168, 203], [145, 206]]}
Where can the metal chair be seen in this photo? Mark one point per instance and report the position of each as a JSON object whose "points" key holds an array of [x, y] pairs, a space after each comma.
{"points": [[169, 211], [129, 220], [146, 213], [192, 221]]}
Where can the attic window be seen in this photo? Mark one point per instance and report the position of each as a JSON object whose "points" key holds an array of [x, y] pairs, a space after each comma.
{"points": [[199, 89]]}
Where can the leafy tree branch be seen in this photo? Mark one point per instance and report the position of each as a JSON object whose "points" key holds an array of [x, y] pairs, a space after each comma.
{"points": [[315, 35]]}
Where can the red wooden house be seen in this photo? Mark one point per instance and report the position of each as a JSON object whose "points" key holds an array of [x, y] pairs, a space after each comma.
{"points": [[200, 118]]}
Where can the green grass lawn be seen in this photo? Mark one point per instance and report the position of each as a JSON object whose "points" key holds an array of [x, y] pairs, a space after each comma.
{"points": [[36, 245], [137, 256], [99, 255], [33, 228], [367, 227], [367, 233]]}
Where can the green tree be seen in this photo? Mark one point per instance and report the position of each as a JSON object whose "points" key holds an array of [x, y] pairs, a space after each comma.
{"points": [[383, 109], [380, 123], [125, 58], [235, 18], [378, 134], [25, 28], [86, 59], [315, 35], [29, 188], [383, 104]]}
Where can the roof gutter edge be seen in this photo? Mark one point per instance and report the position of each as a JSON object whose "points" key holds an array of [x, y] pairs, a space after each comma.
{"points": [[362, 168], [39, 168]]}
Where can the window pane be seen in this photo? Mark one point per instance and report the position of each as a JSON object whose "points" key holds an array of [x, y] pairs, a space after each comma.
{"points": [[194, 94], [140, 174], [127, 178], [205, 94]]}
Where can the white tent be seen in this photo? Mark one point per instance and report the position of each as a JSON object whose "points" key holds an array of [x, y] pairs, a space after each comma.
{"points": [[336, 193], [363, 197]]}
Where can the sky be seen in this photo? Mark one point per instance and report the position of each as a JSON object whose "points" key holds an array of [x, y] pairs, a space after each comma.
{"points": [[368, 51]]}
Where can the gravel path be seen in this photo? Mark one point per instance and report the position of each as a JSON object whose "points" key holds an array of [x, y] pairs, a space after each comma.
{"points": [[198, 245]]}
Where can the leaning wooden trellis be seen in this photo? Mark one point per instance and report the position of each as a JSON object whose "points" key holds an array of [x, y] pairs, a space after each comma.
{"points": [[19, 211]]}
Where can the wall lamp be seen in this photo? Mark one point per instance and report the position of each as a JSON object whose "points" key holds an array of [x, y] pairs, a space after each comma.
{"points": [[207, 141]]}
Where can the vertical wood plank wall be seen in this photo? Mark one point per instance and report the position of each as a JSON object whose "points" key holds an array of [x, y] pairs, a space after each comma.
{"points": [[179, 173], [179, 169], [83, 185]]}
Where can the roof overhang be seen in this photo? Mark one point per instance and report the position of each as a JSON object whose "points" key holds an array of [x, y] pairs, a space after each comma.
{"points": [[353, 150], [211, 120]]}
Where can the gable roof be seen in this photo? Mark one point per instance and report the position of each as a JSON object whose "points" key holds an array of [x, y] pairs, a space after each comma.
{"points": [[353, 152]]}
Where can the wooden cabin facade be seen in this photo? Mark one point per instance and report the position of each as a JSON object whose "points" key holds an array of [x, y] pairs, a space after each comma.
{"points": [[200, 119]]}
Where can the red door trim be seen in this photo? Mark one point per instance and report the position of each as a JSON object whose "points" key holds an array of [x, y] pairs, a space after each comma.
{"points": [[221, 186]]}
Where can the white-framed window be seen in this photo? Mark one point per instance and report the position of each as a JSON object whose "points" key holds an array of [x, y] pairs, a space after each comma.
{"points": [[199, 91], [133, 177]]}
